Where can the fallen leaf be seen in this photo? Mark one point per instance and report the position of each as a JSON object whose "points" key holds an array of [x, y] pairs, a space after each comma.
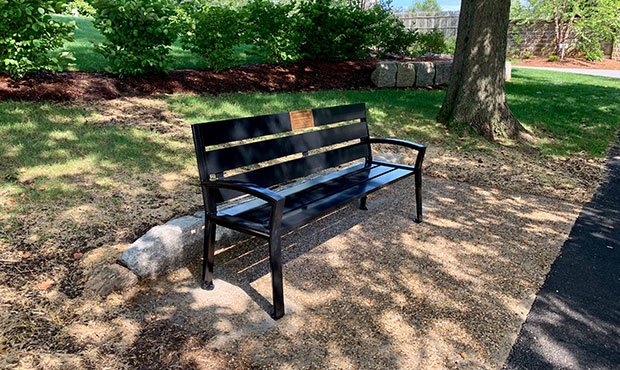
{"points": [[78, 255], [45, 285], [26, 254]]}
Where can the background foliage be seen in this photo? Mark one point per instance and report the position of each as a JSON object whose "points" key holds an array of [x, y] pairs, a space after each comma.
{"points": [[28, 35], [138, 34]]}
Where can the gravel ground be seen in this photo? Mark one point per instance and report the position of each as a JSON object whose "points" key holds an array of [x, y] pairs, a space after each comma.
{"points": [[375, 290]]}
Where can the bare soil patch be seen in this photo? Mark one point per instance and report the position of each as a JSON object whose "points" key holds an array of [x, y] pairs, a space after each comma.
{"points": [[570, 62]]}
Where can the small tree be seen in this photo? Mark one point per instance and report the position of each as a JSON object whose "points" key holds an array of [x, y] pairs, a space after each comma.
{"points": [[592, 21], [599, 22], [425, 6]]}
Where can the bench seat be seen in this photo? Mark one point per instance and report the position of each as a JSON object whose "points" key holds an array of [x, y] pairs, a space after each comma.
{"points": [[314, 198]]}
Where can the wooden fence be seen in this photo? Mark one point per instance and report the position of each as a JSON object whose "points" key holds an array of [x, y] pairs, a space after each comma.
{"points": [[446, 22]]}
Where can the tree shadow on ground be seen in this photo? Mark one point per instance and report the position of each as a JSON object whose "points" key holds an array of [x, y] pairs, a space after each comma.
{"points": [[373, 289]]}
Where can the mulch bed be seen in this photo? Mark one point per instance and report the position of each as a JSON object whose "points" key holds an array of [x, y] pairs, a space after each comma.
{"points": [[304, 76], [569, 62], [301, 76]]}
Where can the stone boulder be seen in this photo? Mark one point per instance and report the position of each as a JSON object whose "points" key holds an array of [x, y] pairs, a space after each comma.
{"points": [[425, 74], [171, 245], [443, 71], [384, 74], [405, 75]]}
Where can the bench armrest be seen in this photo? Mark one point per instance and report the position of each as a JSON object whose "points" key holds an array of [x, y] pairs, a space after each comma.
{"points": [[421, 149], [267, 195]]}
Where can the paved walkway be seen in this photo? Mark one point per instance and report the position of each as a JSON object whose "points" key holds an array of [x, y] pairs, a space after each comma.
{"points": [[591, 72], [574, 322]]}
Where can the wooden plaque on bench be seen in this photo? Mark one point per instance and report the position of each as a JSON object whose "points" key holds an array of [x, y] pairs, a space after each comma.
{"points": [[301, 119]]}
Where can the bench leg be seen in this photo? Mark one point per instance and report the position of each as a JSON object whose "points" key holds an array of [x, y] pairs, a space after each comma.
{"points": [[208, 256], [275, 260], [418, 196], [363, 203]]}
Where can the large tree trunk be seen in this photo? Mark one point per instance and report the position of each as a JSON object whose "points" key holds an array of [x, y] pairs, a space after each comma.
{"points": [[476, 94]]}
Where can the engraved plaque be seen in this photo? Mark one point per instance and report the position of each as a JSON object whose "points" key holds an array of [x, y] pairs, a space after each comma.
{"points": [[301, 119]]}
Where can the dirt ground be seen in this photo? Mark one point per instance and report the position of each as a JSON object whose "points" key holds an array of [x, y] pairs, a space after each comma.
{"points": [[570, 62], [458, 285], [363, 290]]}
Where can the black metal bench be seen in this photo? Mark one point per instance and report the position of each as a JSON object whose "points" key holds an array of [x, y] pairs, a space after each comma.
{"points": [[321, 139]]}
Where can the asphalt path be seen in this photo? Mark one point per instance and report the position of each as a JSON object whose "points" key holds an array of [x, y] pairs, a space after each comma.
{"points": [[591, 72], [574, 322]]}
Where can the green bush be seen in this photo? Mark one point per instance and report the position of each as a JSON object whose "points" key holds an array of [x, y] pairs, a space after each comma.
{"points": [[212, 32], [272, 28], [430, 42], [82, 6], [28, 35], [389, 33], [332, 31], [554, 58], [343, 30], [138, 34]]}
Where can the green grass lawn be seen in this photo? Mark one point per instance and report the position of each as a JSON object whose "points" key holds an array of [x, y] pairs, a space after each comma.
{"points": [[88, 60]]}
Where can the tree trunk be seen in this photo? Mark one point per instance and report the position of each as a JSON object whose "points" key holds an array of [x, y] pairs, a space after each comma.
{"points": [[476, 94]]}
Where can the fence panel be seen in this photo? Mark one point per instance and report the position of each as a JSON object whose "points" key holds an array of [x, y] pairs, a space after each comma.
{"points": [[446, 22]]}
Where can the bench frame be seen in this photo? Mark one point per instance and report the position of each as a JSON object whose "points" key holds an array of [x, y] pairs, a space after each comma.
{"points": [[212, 187]]}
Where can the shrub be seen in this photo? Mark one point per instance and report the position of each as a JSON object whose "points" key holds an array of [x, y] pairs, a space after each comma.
{"points": [[554, 58], [389, 33], [138, 34], [430, 42], [28, 35], [527, 54], [334, 31], [82, 6], [212, 32], [272, 28]]}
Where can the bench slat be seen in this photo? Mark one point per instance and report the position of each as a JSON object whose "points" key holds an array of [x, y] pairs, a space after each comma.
{"points": [[219, 132], [214, 133], [301, 216], [262, 151], [326, 116], [296, 168]]}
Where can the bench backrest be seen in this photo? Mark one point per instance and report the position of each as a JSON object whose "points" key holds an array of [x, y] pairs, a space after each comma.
{"points": [[253, 140]]}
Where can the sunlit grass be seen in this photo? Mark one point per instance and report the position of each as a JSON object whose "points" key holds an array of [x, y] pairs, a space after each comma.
{"points": [[570, 114]]}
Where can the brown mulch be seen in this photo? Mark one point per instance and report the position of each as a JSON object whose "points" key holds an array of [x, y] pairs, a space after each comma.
{"points": [[581, 63], [301, 76]]}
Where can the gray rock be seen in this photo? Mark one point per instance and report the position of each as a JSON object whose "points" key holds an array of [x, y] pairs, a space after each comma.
{"points": [[424, 73], [384, 74], [405, 77], [443, 71], [508, 71], [111, 278], [169, 246]]}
